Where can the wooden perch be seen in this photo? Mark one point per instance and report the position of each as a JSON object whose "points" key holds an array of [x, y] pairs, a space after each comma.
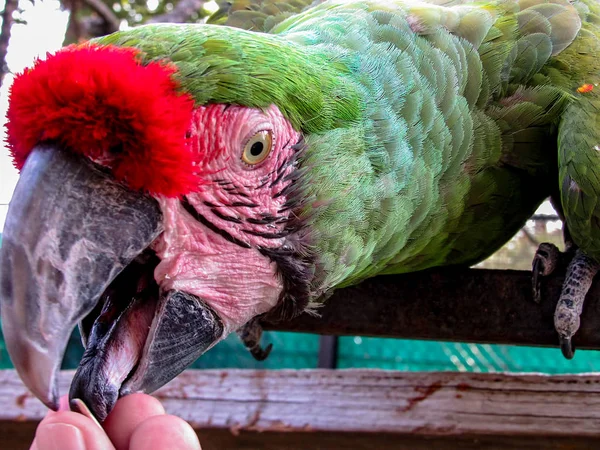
{"points": [[357, 409], [466, 305], [366, 409]]}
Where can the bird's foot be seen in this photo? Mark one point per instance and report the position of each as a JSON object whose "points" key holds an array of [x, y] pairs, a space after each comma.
{"points": [[580, 273], [250, 335], [546, 259]]}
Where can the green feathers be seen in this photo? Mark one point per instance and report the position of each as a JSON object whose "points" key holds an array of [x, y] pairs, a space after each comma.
{"points": [[226, 65], [256, 15], [431, 130]]}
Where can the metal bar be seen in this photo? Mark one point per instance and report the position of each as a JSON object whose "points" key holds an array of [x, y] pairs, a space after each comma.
{"points": [[465, 305], [545, 218], [328, 349]]}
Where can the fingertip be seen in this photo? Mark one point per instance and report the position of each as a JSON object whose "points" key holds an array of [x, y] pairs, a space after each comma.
{"points": [[55, 435], [164, 433], [68, 430], [129, 412], [139, 402]]}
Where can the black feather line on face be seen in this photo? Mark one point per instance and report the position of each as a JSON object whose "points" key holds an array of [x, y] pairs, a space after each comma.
{"points": [[263, 221], [211, 226], [296, 272], [295, 262], [266, 235], [299, 146], [281, 171], [225, 217], [243, 204]]}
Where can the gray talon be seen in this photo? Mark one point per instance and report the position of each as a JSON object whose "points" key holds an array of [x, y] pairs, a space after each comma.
{"points": [[566, 347], [250, 335], [261, 354], [544, 262]]}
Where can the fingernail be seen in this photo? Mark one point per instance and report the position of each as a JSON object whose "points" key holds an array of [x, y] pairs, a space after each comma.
{"points": [[59, 436], [77, 405]]}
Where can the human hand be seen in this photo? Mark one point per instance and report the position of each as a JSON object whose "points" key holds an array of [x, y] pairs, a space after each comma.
{"points": [[137, 422]]}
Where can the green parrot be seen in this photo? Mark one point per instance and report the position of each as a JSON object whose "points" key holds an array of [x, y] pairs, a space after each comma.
{"points": [[181, 182]]}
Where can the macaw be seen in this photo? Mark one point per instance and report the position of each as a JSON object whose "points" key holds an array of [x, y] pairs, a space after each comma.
{"points": [[181, 182]]}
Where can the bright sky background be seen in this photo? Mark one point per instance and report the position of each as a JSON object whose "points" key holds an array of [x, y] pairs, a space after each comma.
{"points": [[44, 32]]}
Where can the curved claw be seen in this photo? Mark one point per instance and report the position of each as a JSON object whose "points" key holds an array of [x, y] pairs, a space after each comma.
{"points": [[537, 269], [544, 263], [250, 335], [259, 353], [566, 347]]}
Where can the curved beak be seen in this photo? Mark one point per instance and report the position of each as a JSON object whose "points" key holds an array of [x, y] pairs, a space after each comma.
{"points": [[70, 230]]}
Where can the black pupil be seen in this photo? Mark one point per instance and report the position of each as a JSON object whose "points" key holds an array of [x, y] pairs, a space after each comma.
{"points": [[256, 148]]}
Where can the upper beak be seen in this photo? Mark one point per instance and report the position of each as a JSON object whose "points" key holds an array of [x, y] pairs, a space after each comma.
{"points": [[75, 240], [70, 230]]}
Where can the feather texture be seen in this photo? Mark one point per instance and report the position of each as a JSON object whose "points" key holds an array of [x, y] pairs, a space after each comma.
{"points": [[432, 129]]}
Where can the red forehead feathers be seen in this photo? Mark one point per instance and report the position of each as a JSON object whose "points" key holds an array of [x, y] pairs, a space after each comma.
{"points": [[101, 101]]}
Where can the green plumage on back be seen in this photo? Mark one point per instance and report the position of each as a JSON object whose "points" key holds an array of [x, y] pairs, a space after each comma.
{"points": [[256, 15], [431, 130]]}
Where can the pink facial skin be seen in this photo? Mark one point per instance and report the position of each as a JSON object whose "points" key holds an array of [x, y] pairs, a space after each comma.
{"points": [[243, 210]]}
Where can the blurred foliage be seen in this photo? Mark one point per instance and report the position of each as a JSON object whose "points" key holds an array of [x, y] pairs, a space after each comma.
{"points": [[93, 18]]}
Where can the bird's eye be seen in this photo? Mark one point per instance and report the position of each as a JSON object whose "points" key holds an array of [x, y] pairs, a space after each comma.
{"points": [[257, 148]]}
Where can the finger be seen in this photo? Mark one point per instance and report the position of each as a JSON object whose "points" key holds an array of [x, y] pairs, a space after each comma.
{"points": [[63, 406], [67, 430], [128, 413], [164, 433]]}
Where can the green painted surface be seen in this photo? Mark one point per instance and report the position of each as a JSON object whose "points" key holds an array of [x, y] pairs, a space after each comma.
{"points": [[300, 351], [408, 355]]}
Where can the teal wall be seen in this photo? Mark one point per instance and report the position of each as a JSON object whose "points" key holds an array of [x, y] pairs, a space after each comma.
{"points": [[300, 351]]}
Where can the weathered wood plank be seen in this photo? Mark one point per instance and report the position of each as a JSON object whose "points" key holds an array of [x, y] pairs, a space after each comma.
{"points": [[464, 305], [372, 406]]}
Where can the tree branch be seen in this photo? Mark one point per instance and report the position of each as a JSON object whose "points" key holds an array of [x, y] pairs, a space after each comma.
{"points": [[181, 13], [110, 19], [7, 21]]}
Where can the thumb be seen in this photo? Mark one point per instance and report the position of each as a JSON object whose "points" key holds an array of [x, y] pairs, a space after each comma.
{"points": [[67, 430]]}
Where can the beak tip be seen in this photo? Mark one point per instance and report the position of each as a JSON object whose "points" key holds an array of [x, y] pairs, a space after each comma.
{"points": [[41, 385], [45, 390], [36, 366], [52, 401]]}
